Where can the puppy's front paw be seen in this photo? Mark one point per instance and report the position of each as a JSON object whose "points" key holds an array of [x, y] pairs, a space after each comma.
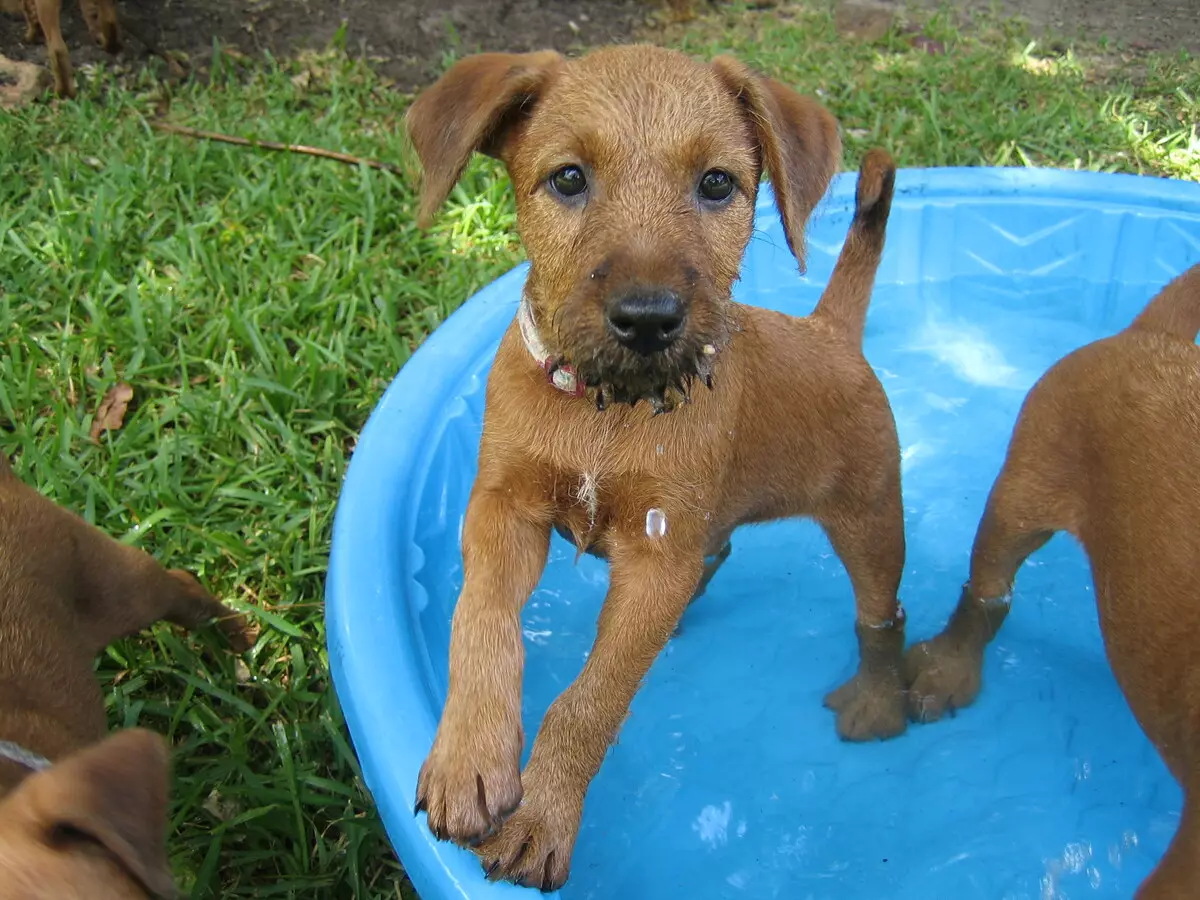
{"points": [[942, 675], [533, 848], [869, 707], [468, 787]]}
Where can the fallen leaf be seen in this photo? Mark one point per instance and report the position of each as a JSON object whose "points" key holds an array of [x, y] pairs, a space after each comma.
{"points": [[110, 415]]}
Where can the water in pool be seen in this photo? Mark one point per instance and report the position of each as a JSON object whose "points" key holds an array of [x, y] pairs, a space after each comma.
{"points": [[729, 780]]}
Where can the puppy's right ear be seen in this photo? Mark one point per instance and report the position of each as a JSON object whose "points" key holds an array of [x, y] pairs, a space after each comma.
{"points": [[472, 107]]}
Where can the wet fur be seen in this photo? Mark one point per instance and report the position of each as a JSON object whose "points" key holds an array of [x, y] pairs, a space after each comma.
{"points": [[1107, 448], [795, 422]]}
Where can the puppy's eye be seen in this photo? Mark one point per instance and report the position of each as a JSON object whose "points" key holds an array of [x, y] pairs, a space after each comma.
{"points": [[715, 186], [569, 181]]}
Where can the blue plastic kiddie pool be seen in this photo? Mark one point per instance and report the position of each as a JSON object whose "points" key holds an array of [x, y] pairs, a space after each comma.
{"points": [[728, 780]]}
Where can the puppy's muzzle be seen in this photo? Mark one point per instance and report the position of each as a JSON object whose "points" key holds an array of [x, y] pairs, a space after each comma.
{"points": [[646, 321]]}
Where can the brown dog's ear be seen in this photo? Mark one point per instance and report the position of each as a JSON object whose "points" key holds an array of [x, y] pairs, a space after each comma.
{"points": [[798, 141], [113, 796], [472, 107]]}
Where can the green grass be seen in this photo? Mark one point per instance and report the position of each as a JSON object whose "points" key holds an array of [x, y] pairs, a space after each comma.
{"points": [[260, 302]]}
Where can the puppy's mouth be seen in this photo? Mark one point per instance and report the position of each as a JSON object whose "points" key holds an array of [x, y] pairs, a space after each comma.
{"points": [[610, 372], [665, 379]]}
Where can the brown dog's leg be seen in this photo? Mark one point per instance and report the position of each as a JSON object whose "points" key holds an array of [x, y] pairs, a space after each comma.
{"points": [[943, 674], [871, 547], [101, 18], [649, 588], [56, 47], [33, 28], [472, 778], [1177, 874], [121, 590]]}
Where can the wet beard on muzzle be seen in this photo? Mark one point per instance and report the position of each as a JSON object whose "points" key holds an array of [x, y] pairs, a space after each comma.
{"points": [[664, 380]]}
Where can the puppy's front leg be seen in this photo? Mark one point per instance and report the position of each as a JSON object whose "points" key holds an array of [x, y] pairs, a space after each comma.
{"points": [[650, 586], [472, 778]]}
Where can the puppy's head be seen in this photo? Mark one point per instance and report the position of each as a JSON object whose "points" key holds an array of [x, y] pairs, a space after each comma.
{"points": [[636, 171], [92, 826]]}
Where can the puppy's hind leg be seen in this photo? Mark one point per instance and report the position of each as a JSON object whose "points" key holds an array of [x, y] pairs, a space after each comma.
{"points": [[1177, 875], [121, 590], [869, 540], [944, 673]]}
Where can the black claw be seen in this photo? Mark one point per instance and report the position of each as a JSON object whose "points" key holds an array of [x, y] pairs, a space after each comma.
{"points": [[489, 871], [708, 382], [600, 401], [420, 806], [516, 860], [547, 879]]}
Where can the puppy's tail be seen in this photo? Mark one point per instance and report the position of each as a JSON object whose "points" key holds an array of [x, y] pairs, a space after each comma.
{"points": [[1176, 309], [844, 303]]}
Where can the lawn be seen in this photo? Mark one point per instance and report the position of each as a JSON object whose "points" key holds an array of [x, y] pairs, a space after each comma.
{"points": [[259, 303]]}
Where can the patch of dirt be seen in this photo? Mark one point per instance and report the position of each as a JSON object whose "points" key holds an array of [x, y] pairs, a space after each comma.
{"points": [[1164, 25], [411, 39]]}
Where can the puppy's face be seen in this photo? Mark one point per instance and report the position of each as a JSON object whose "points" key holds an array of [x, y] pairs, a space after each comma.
{"points": [[636, 171], [635, 179]]}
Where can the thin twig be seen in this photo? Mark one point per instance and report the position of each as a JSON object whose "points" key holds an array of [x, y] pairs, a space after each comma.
{"points": [[272, 145]]}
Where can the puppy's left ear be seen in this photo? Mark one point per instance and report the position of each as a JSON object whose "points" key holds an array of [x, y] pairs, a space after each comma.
{"points": [[474, 106], [798, 142]]}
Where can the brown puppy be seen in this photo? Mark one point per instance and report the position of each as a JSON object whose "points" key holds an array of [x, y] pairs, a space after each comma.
{"points": [[42, 20], [78, 820], [636, 171], [1107, 448]]}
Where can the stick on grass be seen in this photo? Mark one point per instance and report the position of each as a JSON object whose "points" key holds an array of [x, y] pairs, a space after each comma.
{"points": [[274, 145]]}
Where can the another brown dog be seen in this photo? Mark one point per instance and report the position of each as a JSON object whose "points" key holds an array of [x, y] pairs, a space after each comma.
{"points": [[42, 18], [635, 171], [80, 816], [1107, 447]]}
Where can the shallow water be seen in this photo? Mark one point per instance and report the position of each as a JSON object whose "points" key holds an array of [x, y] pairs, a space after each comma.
{"points": [[728, 779]]}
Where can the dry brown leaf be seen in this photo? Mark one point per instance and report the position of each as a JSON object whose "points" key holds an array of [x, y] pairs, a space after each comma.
{"points": [[110, 415]]}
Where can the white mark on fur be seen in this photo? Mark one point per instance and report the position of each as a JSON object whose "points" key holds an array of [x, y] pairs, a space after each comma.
{"points": [[588, 495], [656, 523]]}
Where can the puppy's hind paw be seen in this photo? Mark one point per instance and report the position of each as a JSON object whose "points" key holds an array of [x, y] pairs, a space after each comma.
{"points": [[942, 676]]}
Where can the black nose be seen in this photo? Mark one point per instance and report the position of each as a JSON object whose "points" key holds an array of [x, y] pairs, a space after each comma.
{"points": [[647, 321]]}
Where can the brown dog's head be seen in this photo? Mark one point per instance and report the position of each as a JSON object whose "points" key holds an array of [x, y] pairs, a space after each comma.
{"points": [[636, 171], [92, 826]]}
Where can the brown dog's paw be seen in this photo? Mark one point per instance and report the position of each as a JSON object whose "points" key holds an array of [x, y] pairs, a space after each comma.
{"points": [[239, 630], [533, 848], [468, 791], [201, 607], [869, 708], [942, 676]]}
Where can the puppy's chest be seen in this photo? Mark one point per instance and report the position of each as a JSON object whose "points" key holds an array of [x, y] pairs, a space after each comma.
{"points": [[595, 498]]}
